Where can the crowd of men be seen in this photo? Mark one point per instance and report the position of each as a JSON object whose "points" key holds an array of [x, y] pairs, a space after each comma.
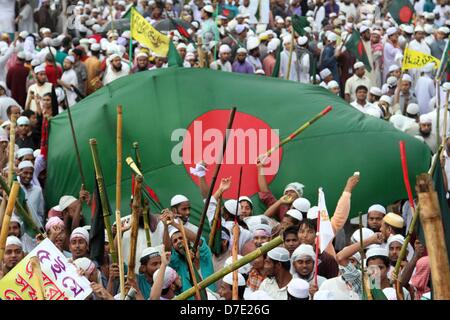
{"points": [[55, 53]]}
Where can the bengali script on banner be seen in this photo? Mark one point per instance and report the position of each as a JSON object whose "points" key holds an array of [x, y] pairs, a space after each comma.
{"points": [[143, 32]]}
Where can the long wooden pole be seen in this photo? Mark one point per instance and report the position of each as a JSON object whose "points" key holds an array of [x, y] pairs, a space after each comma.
{"points": [[37, 272], [7, 218], [431, 220], [215, 223], [233, 266], [236, 234], [119, 201], [291, 53], [438, 109], [213, 181], [12, 144], [77, 151], [444, 134], [187, 253], [103, 198], [134, 226]]}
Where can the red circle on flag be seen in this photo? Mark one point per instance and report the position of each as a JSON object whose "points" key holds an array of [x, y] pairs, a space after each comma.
{"points": [[249, 138], [405, 14]]}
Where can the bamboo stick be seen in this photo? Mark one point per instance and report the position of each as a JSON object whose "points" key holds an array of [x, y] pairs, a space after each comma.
{"points": [[12, 144], [291, 53], [37, 272], [103, 198], [236, 234], [215, 223], [6, 219], [431, 220], [134, 226], [233, 266], [118, 202]]}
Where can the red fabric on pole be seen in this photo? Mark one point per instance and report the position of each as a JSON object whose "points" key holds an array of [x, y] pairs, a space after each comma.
{"points": [[405, 173]]}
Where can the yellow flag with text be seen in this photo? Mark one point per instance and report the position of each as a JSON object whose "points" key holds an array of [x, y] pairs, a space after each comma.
{"points": [[143, 32], [414, 59]]}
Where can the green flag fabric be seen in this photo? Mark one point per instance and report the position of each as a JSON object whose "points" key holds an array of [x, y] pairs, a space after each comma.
{"points": [[159, 105], [173, 56], [356, 47], [402, 11], [299, 23], [276, 69]]}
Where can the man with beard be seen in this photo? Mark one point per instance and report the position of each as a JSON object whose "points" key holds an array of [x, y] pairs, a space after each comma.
{"points": [[115, 70], [253, 53], [150, 260], [141, 63], [365, 37], [277, 266], [241, 65], [222, 63], [394, 245], [425, 127], [69, 80], [80, 69], [40, 88], [13, 255], [226, 287], [375, 215]]}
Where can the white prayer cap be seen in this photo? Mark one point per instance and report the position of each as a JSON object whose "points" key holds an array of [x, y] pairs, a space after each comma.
{"points": [[142, 54], [3, 85], [252, 43], [377, 208], [258, 295], [310, 13], [177, 199], [307, 29], [296, 187], [149, 252], [333, 84], [424, 119], [294, 213], [245, 198], [363, 28], [53, 221], [181, 46], [428, 28], [80, 233], [190, 48], [224, 49], [376, 252], [86, 265], [14, 219], [413, 108], [172, 231], [301, 204], [446, 86], [23, 152], [390, 31], [302, 40], [298, 288], [70, 58], [23, 121], [96, 28], [444, 30], [357, 256], [35, 62], [317, 78], [24, 34], [231, 205], [332, 37], [358, 65], [5, 124], [324, 295], [429, 15], [287, 39], [245, 269], [113, 56], [279, 254], [189, 56], [395, 238], [44, 30], [21, 55], [25, 164], [208, 8], [279, 19], [240, 28], [303, 250], [391, 81], [95, 47], [394, 67], [374, 112], [262, 228], [170, 275], [407, 77], [408, 29], [228, 279], [375, 91], [39, 68], [66, 201], [313, 212], [366, 233], [13, 240], [325, 73], [126, 34], [418, 28], [390, 293], [428, 67]]}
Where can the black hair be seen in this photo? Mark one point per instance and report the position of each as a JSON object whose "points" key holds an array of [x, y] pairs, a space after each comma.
{"points": [[249, 203], [383, 258], [8, 110], [290, 230], [48, 94], [361, 87], [309, 223], [291, 297], [396, 230], [28, 113], [286, 265], [165, 291], [241, 290]]}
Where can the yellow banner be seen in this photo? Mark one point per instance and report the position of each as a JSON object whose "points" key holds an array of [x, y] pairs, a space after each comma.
{"points": [[415, 59], [143, 32]]}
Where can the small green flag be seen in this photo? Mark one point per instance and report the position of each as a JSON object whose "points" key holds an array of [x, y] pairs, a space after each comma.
{"points": [[402, 11], [356, 47], [173, 56], [299, 24], [276, 69]]}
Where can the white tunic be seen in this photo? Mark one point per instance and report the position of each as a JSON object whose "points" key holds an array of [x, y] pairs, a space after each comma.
{"points": [[219, 65], [303, 69], [424, 90], [111, 75], [70, 77], [284, 62], [7, 16], [26, 23]]}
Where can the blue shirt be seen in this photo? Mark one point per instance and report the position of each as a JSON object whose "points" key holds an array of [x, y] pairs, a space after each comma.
{"points": [[329, 61], [144, 285], [243, 67]]}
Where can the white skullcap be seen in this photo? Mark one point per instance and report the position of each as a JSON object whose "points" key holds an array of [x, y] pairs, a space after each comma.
{"points": [[444, 30], [358, 65], [53, 221], [208, 8], [313, 213], [394, 220], [245, 269], [189, 56], [142, 54], [241, 50], [413, 108], [95, 47], [262, 229], [272, 45], [24, 34], [80, 233], [35, 62], [395, 238], [377, 207], [23, 121], [240, 28], [287, 39], [325, 73], [375, 91], [5, 124], [150, 252], [26, 164], [363, 28], [113, 56], [181, 46], [296, 187], [70, 58], [66, 201], [279, 19], [258, 295], [172, 231], [298, 288], [13, 240], [177, 199], [407, 77], [357, 256], [86, 265], [333, 84], [302, 40], [302, 204], [324, 295], [294, 213], [408, 29], [424, 119], [394, 67], [419, 28], [428, 28], [428, 67], [374, 112], [303, 250], [170, 275], [279, 254], [245, 198], [375, 252], [253, 43], [21, 55], [390, 31], [224, 49], [332, 37], [231, 205], [14, 219], [228, 279], [23, 152], [391, 81], [366, 233]]}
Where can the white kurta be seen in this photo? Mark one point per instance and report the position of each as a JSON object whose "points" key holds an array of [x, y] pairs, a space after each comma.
{"points": [[7, 16], [389, 54], [424, 90], [27, 21], [284, 62], [111, 75], [70, 77], [303, 69]]}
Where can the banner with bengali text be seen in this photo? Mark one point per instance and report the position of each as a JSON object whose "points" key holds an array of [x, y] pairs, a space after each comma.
{"points": [[143, 32], [415, 59]]}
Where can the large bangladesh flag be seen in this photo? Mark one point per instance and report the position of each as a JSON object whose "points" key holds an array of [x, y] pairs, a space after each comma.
{"points": [[161, 106], [356, 47], [401, 10]]}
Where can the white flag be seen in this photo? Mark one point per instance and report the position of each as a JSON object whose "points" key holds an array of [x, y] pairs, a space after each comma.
{"points": [[326, 234]]}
